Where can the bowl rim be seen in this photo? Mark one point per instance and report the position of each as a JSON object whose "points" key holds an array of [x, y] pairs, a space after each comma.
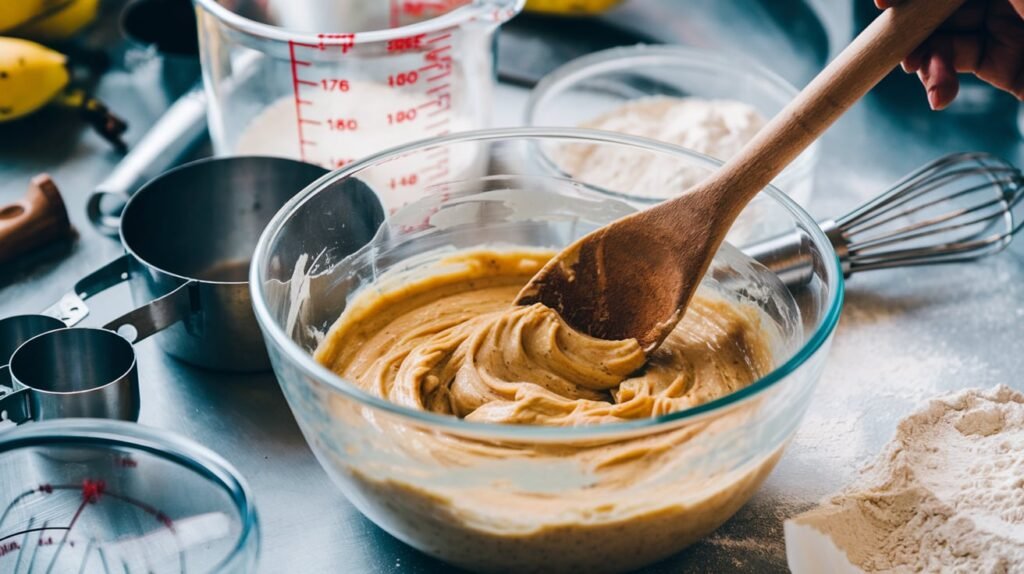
{"points": [[496, 11], [160, 443], [274, 334], [620, 58]]}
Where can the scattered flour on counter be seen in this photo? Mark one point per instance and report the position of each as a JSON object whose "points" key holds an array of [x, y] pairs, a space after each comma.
{"points": [[946, 494], [718, 128]]}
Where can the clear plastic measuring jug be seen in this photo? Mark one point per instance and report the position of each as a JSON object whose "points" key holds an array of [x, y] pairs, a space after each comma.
{"points": [[329, 81]]}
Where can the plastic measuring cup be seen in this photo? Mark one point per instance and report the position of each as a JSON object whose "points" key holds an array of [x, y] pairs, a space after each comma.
{"points": [[329, 81]]}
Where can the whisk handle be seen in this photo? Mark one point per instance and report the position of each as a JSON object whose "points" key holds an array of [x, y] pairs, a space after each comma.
{"points": [[789, 256]]}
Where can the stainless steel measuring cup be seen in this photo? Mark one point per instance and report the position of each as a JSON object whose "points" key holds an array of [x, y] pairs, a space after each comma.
{"points": [[188, 236], [56, 371], [73, 372], [16, 330]]}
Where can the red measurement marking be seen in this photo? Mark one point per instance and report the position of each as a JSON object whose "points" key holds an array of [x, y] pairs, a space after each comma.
{"points": [[404, 181], [344, 41], [298, 100], [439, 38], [331, 84], [310, 122], [343, 124], [406, 44], [340, 162], [402, 116], [440, 76], [438, 125], [436, 89], [307, 83], [395, 14], [6, 549], [403, 78], [92, 490], [435, 54], [417, 8], [301, 63], [127, 462]]}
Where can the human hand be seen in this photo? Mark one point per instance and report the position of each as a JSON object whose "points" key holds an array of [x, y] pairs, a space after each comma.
{"points": [[983, 37]]}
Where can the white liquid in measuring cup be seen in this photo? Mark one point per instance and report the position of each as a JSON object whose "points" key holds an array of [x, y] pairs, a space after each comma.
{"points": [[335, 136]]}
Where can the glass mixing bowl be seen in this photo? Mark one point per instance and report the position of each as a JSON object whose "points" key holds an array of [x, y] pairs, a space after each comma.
{"points": [[494, 497], [91, 496], [597, 83]]}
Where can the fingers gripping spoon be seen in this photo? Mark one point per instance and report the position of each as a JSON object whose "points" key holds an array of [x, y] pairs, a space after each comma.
{"points": [[633, 278]]}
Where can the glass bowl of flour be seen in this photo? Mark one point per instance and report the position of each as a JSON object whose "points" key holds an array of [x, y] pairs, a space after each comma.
{"points": [[703, 101]]}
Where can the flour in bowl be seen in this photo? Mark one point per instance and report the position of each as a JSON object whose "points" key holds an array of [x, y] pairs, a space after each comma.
{"points": [[946, 495], [717, 128]]}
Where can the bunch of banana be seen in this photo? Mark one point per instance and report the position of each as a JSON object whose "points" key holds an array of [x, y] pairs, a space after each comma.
{"points": [[32, 75], [46, 20]]}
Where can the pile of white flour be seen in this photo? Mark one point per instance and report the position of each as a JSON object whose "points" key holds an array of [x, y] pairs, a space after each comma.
{"points": [[946, 494], [717, 128]]}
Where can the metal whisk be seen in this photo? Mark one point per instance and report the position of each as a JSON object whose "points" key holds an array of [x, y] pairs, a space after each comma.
{"points": [[960, 207]]}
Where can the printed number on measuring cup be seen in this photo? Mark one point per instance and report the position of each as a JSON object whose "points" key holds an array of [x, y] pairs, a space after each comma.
{"points": [[404, 181], [403, 78], [402, 116], [334, 85], [342, 125]]}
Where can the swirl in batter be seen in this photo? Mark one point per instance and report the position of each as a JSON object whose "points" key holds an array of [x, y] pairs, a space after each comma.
{"points": [[454, 344]]}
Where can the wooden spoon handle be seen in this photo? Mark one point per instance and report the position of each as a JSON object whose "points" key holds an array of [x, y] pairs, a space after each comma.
{"points": [[872, 55], [35, 220]]}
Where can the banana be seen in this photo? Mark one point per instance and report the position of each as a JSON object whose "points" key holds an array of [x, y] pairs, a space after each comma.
{"points": [[14, 13], [60, 24], [30, 76]]}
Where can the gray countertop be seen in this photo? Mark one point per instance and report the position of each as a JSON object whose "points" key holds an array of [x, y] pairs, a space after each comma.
{"points": [[905, 335]]}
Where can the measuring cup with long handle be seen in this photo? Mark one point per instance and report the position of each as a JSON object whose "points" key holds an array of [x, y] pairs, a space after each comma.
{"points": [[168, 140], [191, 232]]}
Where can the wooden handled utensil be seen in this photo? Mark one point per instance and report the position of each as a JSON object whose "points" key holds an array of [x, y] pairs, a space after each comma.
{"points": [[633, 278], [33, 221]]}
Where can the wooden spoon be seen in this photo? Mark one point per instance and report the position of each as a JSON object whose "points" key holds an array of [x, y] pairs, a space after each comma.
{"points": [[633, 278]]}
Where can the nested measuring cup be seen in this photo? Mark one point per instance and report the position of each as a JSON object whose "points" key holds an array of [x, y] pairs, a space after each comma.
{"points": [[329, 81]]}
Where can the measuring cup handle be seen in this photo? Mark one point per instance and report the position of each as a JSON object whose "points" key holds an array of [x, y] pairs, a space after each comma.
{"points": [[109, 225], [15, 407], [176, 132], [71, 307], [156, 315]]}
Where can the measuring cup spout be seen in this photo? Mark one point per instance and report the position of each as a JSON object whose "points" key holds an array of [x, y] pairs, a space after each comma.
{"points": [[71, 307], [156, 315]]}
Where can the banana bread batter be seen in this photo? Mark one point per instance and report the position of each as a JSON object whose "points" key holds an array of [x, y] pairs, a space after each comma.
{"points": [[454, 344]]}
